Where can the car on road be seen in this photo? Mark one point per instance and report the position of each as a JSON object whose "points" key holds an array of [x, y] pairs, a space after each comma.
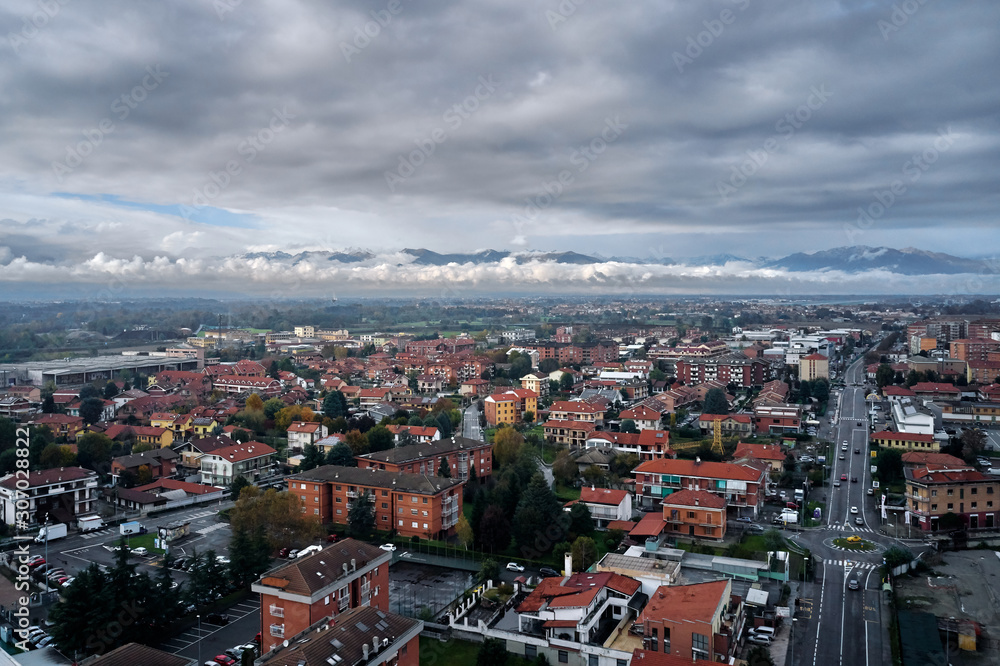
{"points": [[514, 566], [843, 446], [871, 491], [836, 484], [857, 450], [859, 521], [388, 547], [854, 510], [744, 519], [861, 424], [853, 585], [842, 457], [140, 552], [843, 477], [548, 572], [854, 538]]}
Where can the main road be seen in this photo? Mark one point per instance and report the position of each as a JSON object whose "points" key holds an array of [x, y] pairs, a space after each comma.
{"points": [[835, 625]]}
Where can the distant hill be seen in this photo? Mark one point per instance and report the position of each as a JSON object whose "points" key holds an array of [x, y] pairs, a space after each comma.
{"points": [[860, 258]]}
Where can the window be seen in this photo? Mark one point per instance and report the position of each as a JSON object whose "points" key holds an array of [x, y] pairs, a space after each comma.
{"points": [[974, 504], [563, 657], [315, 500], [413, 512], [315, 512], [425, 526], [621, 662], [339, 501], [401, 523], [933, 506], [413, 525], [303, 498], [950, 506], [326, 600], [385, 505], [425, 500], [699, 645], [316, 487], [592, 660], [691, 514], [933, 493], [385, 517], [385, 493], [530, 651], [402, 650], [951, 492], [975, 491], [338, 487], [414, 499], [666, 639], [425, 514]]}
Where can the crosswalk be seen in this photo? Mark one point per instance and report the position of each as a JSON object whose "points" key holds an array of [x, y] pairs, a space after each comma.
{"points": [[107, 531], [212, 528], [855, 528], [97, 534], [851, 564]]}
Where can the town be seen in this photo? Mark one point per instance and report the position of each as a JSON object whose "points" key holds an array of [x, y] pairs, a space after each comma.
{"points": [[593, 483]]}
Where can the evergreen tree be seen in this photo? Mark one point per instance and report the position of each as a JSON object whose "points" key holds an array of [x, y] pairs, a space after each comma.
{"points": [[715, 402], [340, 454], [361, 517], [444, 470], [312, 457], [335, 404]]}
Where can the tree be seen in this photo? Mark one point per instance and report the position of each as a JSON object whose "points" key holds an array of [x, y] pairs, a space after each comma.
{"points": [[884, 375], [143, 475], [973, 442], [628, 425], [581, 522], [564, 469], [276, 515], [537, 509], [340, 454], [357, 442], [594, 476], [89, 391], [255, 403], [249, 555], [623, 464], [57, 455], [584, 553], [335, 404], [87, 607], [93, 449], [464, 531], [272, 406], [494, 529], [759, 656], [91, 410], [895, 556], [821, 389], [715, 402], [444, 469], [566, 382], [889, 464], [528, 416], [312, 457], [506, 445], [444, 424], [493, 652], [110, 390], [361, 517], [49, 405], [548, 365], [489, 570], [380, 438], [237, 486]]}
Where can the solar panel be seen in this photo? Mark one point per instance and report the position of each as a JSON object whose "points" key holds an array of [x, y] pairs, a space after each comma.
{"points": [[361, 626]]}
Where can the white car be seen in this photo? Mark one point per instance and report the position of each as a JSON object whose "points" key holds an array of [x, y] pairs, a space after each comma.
{"points": [[388, 547], [140, 551], [854, 510], [514, 566]]}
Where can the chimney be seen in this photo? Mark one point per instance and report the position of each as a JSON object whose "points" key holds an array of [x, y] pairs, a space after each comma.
{"points": [[568, 564], [354, 565], [697, 460], [375, 643], [696, 502], [364, 651], [345, 567]]}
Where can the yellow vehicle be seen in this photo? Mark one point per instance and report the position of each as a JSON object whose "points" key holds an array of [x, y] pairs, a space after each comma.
{"points": [[854, 539]]}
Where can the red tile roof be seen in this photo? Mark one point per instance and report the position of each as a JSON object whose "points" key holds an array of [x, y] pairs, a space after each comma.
{"points": [[902, 436], [648, 658], [714, 470], [897, 390], [602, 496], [576, 406], [930, 458], [241, 452], [577, 591], [688, 603], [641, 413], [759, 451], [650, 525], [700, 498], [934, 387]]}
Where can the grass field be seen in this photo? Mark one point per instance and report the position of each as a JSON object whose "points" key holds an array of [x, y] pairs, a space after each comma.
{"points": [[452, 653], [144, 540]]}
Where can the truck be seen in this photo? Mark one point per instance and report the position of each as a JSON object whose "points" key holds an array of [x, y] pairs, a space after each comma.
{"points": [[787, 517], [799, 495], [131, 527], [51, 533], [89, 523]]}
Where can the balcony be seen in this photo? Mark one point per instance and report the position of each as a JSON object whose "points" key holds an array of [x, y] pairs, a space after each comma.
{"points": [[278, 630], [277, 611], [353, 494]]}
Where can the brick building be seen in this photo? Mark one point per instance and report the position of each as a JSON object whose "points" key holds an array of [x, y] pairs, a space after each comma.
{"points": [[417, 505], [698, 514], [295, 595], [460, 453], [699, 621], [733, 368]]}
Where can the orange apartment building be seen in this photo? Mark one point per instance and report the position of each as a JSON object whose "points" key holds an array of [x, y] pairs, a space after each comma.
{"points": [[571, 433], [414, 505], [973, 349], [297, 594], [459, 453], [695, 513], [364, 635], [576, 410], [933, 491], [509, 406], [700, 621], [742, 485]]}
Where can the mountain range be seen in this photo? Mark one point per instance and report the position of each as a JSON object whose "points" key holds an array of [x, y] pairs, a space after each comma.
{"points": [[854, 259]]}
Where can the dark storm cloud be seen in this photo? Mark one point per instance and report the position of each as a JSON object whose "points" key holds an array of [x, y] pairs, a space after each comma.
{"points": [[484, 124]]}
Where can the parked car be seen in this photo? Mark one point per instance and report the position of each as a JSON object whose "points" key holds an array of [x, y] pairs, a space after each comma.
{"points": [[180, 563], [283, 552], [293, 553], [548, 572], [225, 660], [217, 618], [853, 585], [140, 552], [744, 519], [759, 639], [755, 529], [514, 566], [388, 547]]}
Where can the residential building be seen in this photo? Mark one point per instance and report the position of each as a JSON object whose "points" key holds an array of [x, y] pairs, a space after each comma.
{"points": [[265, 386], [571, 433], [694, 622], [460, 454], [934, 491], [537, 382], [970, 413], [476, 387], [582, 608], [698, 514], [735, 368], [294, 595], [16, 408], [606, 505], [60, 425], [137, 654], [60, 494], [692, 350], [156, 437], [935, 390], [742, 485], [731, 425], [772, 454], [813, 367], [576, 410], [417, 505], [159, 462], [302, 433], [645, 418], [972, 350], [905, 441], [253, 461], [777, 419], [364, 635], [647, 444], [510, 406]]}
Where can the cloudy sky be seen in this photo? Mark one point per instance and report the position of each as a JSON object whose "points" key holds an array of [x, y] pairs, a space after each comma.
{"points": [[149, 144]]}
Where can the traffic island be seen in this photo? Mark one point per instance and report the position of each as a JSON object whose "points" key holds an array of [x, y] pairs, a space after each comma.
{"points": [[855, 543]]}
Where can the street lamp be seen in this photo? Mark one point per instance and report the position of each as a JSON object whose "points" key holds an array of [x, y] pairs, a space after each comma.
{"points": [[199, 638], [47, 548]]}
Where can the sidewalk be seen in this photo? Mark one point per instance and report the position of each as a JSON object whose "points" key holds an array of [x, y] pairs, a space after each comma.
{"points": [[782, 639]]}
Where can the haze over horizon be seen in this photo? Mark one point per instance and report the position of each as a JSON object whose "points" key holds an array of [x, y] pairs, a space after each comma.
{"points": [[150, 147]]}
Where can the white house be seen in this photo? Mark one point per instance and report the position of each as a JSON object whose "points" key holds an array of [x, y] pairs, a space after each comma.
{"points": [[301, 433], [251, 460], [645, 418], [606, 505]]}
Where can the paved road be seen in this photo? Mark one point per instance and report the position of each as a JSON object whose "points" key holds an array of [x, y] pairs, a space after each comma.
{"points": [[470, 423]]}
